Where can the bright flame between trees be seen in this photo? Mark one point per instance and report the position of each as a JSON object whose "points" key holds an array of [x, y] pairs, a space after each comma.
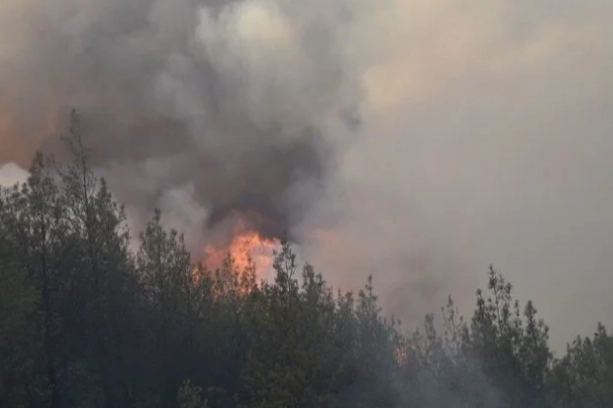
{"points": [[242, 247], [246, 246]]}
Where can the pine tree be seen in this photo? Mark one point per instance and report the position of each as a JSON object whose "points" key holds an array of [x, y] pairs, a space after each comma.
{"points": [[98, 226], [164, 267], [19, 301], [34, 221]]}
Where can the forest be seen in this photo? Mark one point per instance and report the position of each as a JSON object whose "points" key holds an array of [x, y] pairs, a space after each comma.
{"points": [[87, 322]]}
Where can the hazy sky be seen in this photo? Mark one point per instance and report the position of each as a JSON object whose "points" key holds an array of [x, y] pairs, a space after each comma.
{"points": [[485, 137], [488, 139]]}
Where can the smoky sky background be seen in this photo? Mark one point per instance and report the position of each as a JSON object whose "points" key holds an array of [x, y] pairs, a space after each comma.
{"points": [[415, 140]]}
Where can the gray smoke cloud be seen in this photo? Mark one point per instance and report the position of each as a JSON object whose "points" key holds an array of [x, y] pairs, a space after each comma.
{"points": [[418, 140], [196, 107]]}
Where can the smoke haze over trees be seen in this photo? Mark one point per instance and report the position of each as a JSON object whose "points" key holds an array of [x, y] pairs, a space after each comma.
{"points": [[434, 136], [85, 322]]}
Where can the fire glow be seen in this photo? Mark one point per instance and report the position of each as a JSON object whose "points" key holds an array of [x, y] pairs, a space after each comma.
{"points": [[247, 248]]}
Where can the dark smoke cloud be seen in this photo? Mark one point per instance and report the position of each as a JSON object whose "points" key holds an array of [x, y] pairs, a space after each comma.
{"points": [[202, 107]]}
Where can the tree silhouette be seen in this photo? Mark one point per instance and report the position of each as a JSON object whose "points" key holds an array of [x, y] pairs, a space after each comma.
{"points": [[85, 322]]}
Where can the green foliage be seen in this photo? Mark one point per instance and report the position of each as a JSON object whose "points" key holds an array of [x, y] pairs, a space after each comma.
{"points": [[285, 358], [84, 322], [583, 378], [189, 396], [18, 340], [511, 349]]}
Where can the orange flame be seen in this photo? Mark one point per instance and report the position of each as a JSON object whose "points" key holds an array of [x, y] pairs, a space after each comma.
{"points": [[241, 248], [247, 248]]}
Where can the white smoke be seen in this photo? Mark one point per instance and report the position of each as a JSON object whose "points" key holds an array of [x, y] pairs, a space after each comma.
{"points": [[11, 174]]}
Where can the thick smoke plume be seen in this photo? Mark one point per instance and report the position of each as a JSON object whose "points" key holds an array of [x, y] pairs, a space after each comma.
{"points": [[200, 108], [418, 140]]}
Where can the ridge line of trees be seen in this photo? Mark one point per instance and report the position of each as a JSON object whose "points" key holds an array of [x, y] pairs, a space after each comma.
{"points": [[84, 322]]}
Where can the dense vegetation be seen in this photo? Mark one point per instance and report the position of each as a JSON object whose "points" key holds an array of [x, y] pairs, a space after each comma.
{"points": [[86, 323]]}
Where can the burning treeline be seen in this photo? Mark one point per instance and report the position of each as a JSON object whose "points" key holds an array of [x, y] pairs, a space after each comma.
{"points": [[242, 225], [105, 328], [227, 115], [200, 108]]}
